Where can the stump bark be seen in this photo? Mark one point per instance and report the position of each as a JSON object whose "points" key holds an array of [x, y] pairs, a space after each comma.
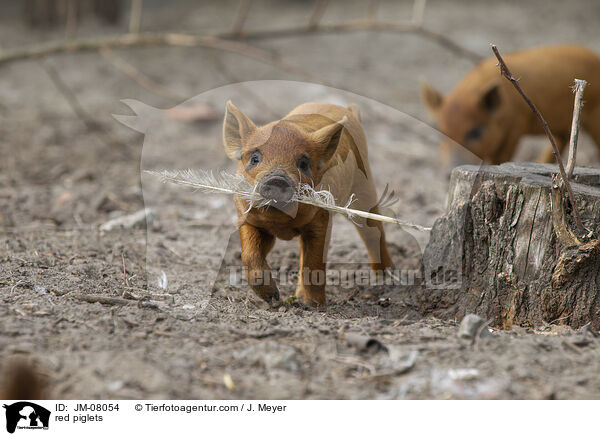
{"points": [[498, 253]]}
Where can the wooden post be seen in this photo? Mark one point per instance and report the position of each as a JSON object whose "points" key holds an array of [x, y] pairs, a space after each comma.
{"points": [[501, 253]]}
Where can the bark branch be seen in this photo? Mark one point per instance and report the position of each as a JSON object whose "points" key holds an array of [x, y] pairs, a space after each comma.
{"points": [[578, 90], [504, 71], [221, 41], [362, 25], [317, 13], [103, 299], [152, 39]]}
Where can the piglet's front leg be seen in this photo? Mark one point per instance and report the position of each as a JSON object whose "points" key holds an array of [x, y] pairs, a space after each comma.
{"points": [[314, 242], [256, 244]]}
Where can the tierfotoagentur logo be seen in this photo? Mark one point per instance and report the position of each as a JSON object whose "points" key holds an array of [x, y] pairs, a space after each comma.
{"points": [[343, 277], [25, 415]]}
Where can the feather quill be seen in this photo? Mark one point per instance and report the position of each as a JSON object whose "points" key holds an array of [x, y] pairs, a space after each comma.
{"points": [[232, 184]]}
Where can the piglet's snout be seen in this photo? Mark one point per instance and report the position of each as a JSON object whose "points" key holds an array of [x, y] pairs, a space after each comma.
{"points": [[277, 187]]}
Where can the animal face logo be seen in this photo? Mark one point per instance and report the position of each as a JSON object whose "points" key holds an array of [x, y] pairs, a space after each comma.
{"points": [[26, 415]]}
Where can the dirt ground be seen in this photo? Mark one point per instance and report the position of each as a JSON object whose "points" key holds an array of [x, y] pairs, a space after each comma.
{"points": [[190, 331]]}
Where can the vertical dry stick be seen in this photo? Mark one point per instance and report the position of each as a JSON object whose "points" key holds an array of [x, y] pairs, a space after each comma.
{"points": [[372, 10], [578, 90], [317, 13], [504, 71], [418, 12], [71, 18], [135, 16], [240, 17]]}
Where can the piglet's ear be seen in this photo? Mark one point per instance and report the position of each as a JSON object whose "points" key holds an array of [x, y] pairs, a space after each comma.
{"points": [[491, 99], [236, 127], [328, 138], [432, 98]]}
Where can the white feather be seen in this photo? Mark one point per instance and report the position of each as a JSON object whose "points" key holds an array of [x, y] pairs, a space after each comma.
{"points": [[232, 184]]}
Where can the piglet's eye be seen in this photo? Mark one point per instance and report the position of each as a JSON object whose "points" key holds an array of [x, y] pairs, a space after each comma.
{"points": [[255, 158], [303, 164], [474, 134]]}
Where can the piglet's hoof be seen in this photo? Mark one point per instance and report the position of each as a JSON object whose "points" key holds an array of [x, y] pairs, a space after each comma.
{"points": [[316, 300], [272, 298]]}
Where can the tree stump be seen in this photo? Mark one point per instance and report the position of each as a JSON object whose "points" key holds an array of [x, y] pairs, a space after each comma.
{"points": [[500, 253]]}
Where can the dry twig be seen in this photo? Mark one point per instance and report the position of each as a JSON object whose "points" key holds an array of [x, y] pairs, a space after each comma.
{"points": [[571, 346], [15, 286], [418, 12], [504, 71], [69, 96], [317, 13], [71, 19], [372, 9], [153, 39], [103, 299], [361, 25], [240, 16], [577, 105], [135, 16], [219, 41], [150, 304], [559, 223], [261, 334], [588, 329]]}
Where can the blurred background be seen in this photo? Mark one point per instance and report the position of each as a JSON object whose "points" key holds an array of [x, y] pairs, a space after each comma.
{"points": [[67, 168], [59, 133]]}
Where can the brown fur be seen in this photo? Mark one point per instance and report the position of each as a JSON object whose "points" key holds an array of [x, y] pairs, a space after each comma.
{"points": [[333, 139], [483, 98], [20, 381]]}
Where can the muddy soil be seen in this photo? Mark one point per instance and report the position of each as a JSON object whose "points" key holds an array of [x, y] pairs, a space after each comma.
{"points": [[182, 333]]}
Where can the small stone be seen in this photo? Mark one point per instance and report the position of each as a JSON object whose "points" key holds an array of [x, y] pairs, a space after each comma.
{"points": [[470, 325], [228, 382], [115, 385], [463, 373], [40, 290]]}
